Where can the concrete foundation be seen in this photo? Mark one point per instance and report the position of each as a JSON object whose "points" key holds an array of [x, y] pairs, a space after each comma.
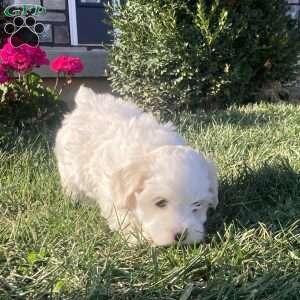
{"points": [[99, 85]]}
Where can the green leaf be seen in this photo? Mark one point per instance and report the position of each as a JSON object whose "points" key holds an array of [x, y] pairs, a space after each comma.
{"points": [[32, 257], [58, 286], [42, 252]]}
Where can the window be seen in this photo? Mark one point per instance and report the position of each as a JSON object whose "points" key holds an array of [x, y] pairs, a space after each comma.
{"points": [[89, 22]]}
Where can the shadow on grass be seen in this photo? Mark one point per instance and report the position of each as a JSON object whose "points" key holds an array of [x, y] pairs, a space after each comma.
{"points": [[269, 195], [17, 139], [269, 285]]}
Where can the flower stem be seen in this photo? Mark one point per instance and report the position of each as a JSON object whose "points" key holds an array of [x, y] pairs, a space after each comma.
{"points": [[56, 81]]}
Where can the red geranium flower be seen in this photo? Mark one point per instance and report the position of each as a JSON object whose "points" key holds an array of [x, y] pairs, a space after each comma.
{"points": [[3, 75], [66, 64], [38, 55], [21, 62], [23, 58]]}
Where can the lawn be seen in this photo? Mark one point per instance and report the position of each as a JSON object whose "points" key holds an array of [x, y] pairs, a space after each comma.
{"points": [[51, 249]]}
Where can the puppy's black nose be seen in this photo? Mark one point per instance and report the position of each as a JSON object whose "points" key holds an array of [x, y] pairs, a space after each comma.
{"points": [[180, 236]]}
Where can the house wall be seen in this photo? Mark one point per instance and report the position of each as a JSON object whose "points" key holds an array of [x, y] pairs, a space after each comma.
{"points": [[56, 23], [98, 85]]}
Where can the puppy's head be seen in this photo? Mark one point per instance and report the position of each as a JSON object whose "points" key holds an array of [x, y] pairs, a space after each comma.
{"points": [[169, 193]]}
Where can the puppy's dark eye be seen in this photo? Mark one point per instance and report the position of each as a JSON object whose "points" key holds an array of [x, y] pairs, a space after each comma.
{"points": [[161, 203], [196, 206]]}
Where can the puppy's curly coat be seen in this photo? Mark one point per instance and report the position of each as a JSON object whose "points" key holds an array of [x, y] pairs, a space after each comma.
{"points": [[141, 174]]}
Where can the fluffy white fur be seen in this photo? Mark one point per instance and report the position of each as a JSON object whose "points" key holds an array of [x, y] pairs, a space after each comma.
{"points": [[141, 174]]}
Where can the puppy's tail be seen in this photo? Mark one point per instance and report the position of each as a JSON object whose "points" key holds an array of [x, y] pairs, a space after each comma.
{"points": [[84, 96]]}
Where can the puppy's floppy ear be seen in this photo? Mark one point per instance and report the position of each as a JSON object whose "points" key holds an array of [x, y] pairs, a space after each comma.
{"points": [[127, 182], [213, 177]]}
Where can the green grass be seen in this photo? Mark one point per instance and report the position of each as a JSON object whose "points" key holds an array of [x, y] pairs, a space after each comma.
{"points": [[50, 249]]}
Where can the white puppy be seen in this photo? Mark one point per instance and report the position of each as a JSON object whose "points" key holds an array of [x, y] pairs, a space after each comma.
{"points": [[141, 173]]}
